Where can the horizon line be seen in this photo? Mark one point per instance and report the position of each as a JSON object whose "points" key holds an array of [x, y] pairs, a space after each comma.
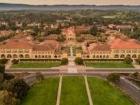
{"points": [[71, 4]]}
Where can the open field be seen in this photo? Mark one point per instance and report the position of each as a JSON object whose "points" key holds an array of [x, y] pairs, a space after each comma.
{"points": [[35, 64], [108, 64], [74, 91], [43, 93], [105, 94]]}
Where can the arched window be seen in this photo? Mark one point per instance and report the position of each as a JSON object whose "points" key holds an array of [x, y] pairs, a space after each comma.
{"points": [[100, 56], [35, 56], [97, 56], [107, 56], [103, 56], [122, 56], [93, 56], [27, 56], [9, 56], [134, 56], [128, 55], [39, 56], [49, 56], [21, 56], [2, 56], [55, 56], [116, 56], [87, 56], [15, 56]]}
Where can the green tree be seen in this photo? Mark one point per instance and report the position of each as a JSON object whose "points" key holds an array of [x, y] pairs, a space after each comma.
{"points": [[15, 61], [7, 98], [94, 31], [128, 60], [3, 61], [17, 86], [2, 68], [64, 61], [79, 61]]}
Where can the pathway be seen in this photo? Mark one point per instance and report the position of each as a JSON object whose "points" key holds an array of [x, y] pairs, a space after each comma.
{"points": [[59, 91], [72, 68], [88, 91], [9, 64]]}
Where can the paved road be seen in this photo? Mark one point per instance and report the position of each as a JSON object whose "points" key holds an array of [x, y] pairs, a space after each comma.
{"points": [[130, 89], [88, 72]]}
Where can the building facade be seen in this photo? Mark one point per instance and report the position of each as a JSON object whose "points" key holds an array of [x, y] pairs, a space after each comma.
{"points": [[117, 49], [22, 49]]}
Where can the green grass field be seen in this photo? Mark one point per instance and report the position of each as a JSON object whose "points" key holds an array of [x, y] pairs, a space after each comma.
{"points": [[73, 91], [108, 64], [35, 64], [105, 94], [43, 93]]}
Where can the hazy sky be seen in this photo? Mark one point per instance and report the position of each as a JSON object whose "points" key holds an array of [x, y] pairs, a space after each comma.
{"points": [[98, 2]]}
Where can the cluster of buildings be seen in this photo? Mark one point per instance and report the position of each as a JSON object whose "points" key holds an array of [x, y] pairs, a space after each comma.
{"points": [[24, 49], [117, 48]]}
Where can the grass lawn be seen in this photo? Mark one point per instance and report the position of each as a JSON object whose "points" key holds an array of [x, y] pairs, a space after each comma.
{"points": [[105, 94], [35, 64], [42, 93], [108, 64], [74, 91]]}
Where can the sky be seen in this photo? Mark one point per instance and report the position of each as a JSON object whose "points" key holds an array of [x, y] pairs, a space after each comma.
{"points": [[97, 2]]}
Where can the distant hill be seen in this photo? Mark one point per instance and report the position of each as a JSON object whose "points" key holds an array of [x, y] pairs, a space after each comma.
{"points": [[6, 6]]}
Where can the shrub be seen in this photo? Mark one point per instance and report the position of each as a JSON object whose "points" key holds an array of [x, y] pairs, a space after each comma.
{"points": [[138, 60], [17, 86], [1, 77], [128, 60], [8, 76], [64, 61], [3, 61], [15, 61], [9, 99], [115, 78], [2, 68], [79, 61]]}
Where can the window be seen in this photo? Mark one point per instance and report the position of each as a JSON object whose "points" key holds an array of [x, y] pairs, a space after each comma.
{"points": [[122, 56], [134, 56], [116, 56]]}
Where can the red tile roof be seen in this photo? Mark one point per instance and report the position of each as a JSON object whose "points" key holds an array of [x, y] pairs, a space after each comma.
{"points": [[125, 44], [16, 44], [47, 45], [99, 47]]}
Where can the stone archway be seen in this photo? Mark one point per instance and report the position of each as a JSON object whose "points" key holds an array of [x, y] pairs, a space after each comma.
{"points": [[27, 56], [122, 56], [116, 56], [9, 56], [3, 56], [21, 56], [15, 56], [134, 56]]}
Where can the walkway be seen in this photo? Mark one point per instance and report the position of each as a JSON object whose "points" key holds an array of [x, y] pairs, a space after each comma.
{"points": [[88, 91], [72, 66], [8, 65], [59, 91]]}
